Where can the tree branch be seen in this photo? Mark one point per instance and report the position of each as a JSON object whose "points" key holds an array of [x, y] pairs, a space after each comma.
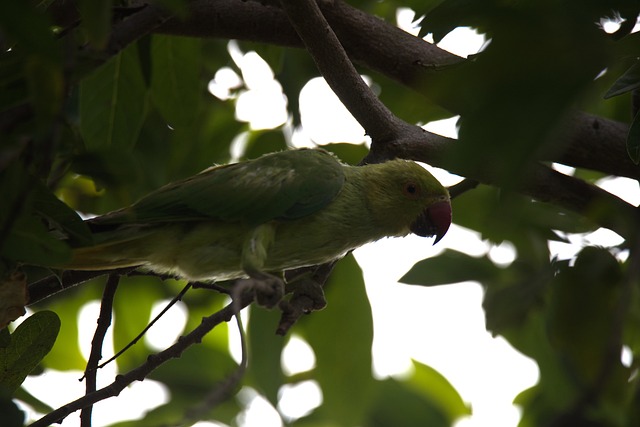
{"points": [[224, 390], [104, 321], [153, 361], [51, 285], [592, 142], [542, 183], [337, 69]]}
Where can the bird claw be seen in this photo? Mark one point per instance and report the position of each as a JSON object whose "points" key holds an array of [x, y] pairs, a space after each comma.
{"points": [[268, 290], [307, 296]]}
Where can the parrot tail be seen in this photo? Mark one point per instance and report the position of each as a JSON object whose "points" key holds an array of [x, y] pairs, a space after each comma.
{"points": [[107, 256]]}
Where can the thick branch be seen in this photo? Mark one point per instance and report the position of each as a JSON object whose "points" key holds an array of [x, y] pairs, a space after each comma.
{"points": [[592, 142], [337, 69], [542, 183]]}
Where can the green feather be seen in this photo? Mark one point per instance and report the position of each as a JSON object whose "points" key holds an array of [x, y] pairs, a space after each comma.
{"points": [[284, 185]]}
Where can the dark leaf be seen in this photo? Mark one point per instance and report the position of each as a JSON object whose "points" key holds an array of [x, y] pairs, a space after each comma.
{"points": [[5, 338], [581, 312], [296, 69], [48, 206], [24, 396], [96, 21], [400, 405], [108, 167], [28, 29], [29, 241], [449, 14], [265, 353], [46, 89], [341, 337], [175, 78], [263, 142], [10, 414], [113, 102], [65, 354], [633, 140], [351, 154], [132, 313], [629, 81], [450, 267], [434, 387], [30, 343]]}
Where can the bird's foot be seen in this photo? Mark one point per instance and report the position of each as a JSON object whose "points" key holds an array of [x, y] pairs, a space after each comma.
{"points": [[307, 296], [268, 289]]}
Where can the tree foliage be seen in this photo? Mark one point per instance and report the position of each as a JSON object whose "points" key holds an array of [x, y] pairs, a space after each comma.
{"points": [[102, 102]]}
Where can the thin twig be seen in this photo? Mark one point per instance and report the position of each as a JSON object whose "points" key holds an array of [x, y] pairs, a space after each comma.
{"points": [[152, 362], [144, 331], [462, 187], [104, 321], [225, 389], [53, 284]]}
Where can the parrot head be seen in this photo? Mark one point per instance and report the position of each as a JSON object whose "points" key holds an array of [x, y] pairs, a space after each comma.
{"points": [[414, 200]]}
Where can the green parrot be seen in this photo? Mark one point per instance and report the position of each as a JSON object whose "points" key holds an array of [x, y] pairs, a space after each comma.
{"points": [[281, 211]]}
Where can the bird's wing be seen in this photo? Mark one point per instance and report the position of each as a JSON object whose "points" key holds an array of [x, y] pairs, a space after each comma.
{"points": [[283, 185]]}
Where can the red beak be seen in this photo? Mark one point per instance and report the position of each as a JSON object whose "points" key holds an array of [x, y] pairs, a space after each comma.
{"points": [[433, 221]]}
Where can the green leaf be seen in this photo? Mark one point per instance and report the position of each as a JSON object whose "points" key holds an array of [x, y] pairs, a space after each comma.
{"points": [[349, 153], [265, 353], [447, 15], [450, 267], [30, 342], [13, 84], [341, 336], [65, 354], [24, 396], [96, 21], [108, 167], [30, 242], [132, 312], [46, 85], [295, 70], [628, 82], [510, 299], [581, 313], [10, 414], [433, 386], [48, 206], [264, 141], [400, 405], [5, 338], [28, 28], [175, 78], [633, 140], [113, 102], [199, 370]]}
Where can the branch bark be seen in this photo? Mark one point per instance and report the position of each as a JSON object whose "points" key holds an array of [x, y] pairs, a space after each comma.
{"points": [[337, 69], [153, 361], [591, 142]]}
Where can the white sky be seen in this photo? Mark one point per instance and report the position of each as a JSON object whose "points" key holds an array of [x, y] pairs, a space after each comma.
{"points": [[442, 327]]}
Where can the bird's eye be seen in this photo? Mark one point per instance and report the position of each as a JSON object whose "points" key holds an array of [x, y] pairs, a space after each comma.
{"points": [[411, 190]]}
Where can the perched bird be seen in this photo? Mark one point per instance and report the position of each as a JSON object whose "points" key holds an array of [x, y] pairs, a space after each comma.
{"points": [[281, 211]]}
